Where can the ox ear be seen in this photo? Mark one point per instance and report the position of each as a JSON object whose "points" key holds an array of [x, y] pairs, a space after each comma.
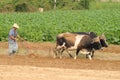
{"points": [[102, 36]]}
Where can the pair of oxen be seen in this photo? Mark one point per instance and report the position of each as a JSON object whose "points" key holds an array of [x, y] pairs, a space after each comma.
{"points": [[83, 42]]}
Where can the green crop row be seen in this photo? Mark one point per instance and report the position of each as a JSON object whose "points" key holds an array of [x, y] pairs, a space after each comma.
{"points": [[45, 26]]}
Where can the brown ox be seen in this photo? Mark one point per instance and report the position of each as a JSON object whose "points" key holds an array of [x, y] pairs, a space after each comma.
{"points": [[79, 42]]}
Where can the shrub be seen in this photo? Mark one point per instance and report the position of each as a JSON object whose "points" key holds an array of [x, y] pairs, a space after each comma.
{"points": [[21, 7], [83, 4]]}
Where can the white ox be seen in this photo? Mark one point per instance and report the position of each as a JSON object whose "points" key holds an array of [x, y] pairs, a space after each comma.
{"points": [[81, 42]]}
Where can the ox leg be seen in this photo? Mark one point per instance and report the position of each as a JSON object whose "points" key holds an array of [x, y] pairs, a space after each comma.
{"points": [[76, 54], [61, 52], [69, 53], [55, 53], [86, 55], [58, 51], [89, 56], [92, 53]]}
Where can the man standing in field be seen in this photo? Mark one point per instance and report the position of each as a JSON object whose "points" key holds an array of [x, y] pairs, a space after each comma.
{"points": [[13, 46]]}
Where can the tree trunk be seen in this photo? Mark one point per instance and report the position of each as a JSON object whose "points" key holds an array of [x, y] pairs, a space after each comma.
{"points": [[55, 4]]}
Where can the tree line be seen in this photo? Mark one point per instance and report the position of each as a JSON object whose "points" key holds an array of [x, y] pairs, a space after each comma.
{"points": [[33, 5]]}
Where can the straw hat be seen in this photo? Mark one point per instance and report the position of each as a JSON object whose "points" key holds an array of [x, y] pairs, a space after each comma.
{"points": [[15, 25]]}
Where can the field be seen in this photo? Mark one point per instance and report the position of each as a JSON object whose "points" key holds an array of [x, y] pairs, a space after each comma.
{"points": [[45, 26], [35, 61]]}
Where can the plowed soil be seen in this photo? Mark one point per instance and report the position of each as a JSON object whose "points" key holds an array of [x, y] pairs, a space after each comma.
{"points": [[34, 61]]}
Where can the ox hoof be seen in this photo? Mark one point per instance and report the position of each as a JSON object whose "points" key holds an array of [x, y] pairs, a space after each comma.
{"points": [[75, 58], [89, 56], [60, 57], [54, 57]]}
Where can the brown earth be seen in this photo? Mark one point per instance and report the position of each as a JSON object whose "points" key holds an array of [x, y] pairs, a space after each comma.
{"points": [[32, 66], [50, 46]]}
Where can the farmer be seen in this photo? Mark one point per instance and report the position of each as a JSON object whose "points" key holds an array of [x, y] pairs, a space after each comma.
{"points": [[13, 46]]}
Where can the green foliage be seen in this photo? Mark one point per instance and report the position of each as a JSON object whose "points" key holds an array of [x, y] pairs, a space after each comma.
{"points": [[45, 26], [104, 5], [33, 5], [21, 8], [84, 4]]}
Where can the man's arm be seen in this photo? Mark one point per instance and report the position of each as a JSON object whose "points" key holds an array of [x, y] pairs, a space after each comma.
{"points": [[13, 38]]}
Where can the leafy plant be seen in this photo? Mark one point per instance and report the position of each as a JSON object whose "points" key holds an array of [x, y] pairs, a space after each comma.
{"points": [[45, 26]]}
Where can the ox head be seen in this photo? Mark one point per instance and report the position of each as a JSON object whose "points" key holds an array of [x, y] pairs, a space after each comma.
{"points": [[103, 40], [99, 42], [96, 44]]}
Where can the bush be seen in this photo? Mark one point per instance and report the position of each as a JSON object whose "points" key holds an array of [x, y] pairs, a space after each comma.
{"points": [[7, 8], [21, 7], [83, 4]]}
